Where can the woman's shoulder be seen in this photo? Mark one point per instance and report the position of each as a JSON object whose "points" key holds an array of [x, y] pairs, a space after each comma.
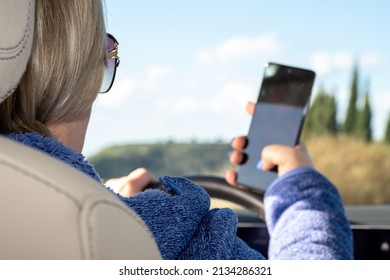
{"points": [[56, 149]]}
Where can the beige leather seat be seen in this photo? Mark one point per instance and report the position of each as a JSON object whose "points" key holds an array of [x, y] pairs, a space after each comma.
{"points": [[49, 210]]}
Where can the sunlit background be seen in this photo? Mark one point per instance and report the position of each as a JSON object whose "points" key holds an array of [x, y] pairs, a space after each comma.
{"points": [[189, 67]]}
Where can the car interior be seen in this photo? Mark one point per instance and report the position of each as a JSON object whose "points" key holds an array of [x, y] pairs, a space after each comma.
{"points": [[48, 210], [370, 223]]}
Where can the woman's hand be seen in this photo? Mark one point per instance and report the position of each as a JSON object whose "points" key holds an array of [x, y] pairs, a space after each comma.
{"points": [[131, 184], [284, 157]]}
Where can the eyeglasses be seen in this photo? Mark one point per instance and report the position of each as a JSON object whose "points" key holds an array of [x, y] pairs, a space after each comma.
{"points": [[111, 63]]}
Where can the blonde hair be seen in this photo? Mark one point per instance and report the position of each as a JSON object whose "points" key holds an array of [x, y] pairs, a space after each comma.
{"points": [[65, 69]]}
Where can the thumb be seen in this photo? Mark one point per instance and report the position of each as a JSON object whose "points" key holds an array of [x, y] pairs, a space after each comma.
{"points": [[285, 158]]}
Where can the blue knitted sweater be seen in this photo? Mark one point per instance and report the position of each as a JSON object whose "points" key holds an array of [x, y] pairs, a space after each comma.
{"points": [[304, 214]]}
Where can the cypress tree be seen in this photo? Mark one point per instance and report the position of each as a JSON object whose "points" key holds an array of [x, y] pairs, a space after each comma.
{"points": [[363, 129], [331, 120], [387, 131], [350, 120], [321, 118]]}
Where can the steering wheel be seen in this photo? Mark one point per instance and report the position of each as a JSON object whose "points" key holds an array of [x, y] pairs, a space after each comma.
{"points": [[217, 187]]}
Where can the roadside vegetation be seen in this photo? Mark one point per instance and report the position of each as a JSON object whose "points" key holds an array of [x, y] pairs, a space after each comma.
{"points": [[359, 169]]}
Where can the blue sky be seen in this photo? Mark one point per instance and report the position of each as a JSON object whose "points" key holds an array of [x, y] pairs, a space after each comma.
{"points": [[189, 67]]}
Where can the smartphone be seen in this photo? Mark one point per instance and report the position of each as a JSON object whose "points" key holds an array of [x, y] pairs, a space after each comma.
{"points": [[279, 116]]}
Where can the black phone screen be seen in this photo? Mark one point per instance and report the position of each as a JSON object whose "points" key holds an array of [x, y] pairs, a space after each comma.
{"points": [[278, 119]]}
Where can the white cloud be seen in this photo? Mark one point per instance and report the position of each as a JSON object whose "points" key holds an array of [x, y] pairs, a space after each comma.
{"points": [[154, 75], [158, 72], [221, 78], [204, 56], [120, 93], [341, 60], [191, 83], [238, 48], [370, 59], [320, 62], [124, 88], [182, 106], [186, 105], [231, 98], [324, 62]]}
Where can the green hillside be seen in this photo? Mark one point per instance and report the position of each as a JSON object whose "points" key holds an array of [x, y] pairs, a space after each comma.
{"points": [[163, 159], [359, 169]]}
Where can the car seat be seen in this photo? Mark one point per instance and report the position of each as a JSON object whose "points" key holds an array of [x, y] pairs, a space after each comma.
{"points": [[49, 210]]}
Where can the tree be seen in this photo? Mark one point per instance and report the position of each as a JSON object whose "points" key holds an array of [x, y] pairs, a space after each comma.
{"points": [[350, 120], [321, 119], [363, 125], [387, 131]]}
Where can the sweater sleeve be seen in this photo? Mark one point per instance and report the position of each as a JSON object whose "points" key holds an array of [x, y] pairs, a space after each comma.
{"points": [[185, 228], [306, 219]]}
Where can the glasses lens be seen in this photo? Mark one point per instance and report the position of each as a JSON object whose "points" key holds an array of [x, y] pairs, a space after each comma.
{"points": [[109, 69], [110, 43]]}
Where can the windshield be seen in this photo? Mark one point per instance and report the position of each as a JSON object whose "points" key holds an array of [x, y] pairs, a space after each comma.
{"points": [[188, 68]]}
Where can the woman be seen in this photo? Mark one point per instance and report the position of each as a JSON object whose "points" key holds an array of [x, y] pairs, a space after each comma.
{"points": [[72, 60]]}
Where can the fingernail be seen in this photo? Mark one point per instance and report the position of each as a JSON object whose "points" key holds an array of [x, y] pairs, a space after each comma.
{"points": [[259, 165]]}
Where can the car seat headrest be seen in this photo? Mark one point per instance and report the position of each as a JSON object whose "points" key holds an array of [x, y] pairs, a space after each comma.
{"points": [[16, 36]]}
